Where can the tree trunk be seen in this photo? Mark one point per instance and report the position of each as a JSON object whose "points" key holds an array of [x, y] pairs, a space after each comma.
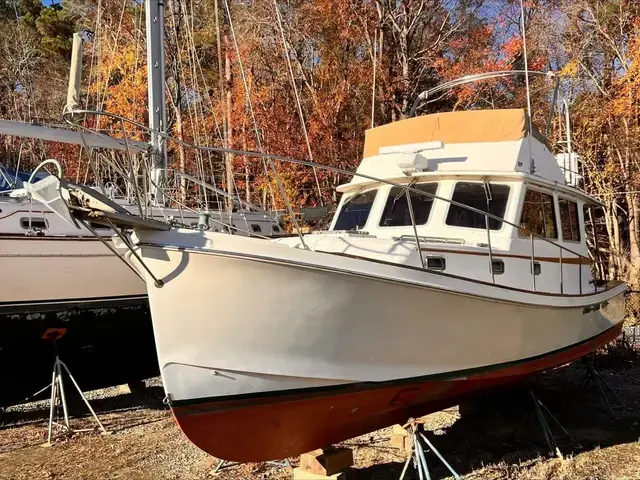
{"points": [[634, 245], [181, 154]]}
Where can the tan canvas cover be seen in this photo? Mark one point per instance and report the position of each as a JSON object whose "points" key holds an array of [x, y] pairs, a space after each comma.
{"points": [[450, 127]]}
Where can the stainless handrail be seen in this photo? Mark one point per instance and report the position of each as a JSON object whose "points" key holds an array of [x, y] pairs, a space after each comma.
{"points": [[533, 263], [415, 228], [408, 188], [486, 222], [421, 98], [562, 275], [250, 153]]}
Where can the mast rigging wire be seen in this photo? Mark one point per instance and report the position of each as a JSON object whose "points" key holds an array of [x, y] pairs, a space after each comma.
{"points": [[285, 198], [285, 50], [532, 165]]}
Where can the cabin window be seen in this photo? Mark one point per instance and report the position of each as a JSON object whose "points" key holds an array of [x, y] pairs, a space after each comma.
{"points": [[355, 211], [538, 215], [595, 229], [35, 223], [569, 220], [483, 196], [98, 226], [396, 211]]}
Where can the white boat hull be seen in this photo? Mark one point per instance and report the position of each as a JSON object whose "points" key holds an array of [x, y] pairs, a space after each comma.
{"points": [[306, 349], [317, 319], [58, 269], [77, 284]]}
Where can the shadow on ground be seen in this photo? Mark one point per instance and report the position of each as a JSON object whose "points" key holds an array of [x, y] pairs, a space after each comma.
{"points": [[503, 426], [37, 412]]}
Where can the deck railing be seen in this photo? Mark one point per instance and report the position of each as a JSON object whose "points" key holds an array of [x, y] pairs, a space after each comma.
{"points": [[408, 188]]}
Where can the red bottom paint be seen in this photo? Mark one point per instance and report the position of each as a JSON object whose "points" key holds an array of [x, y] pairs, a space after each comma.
{"points": [[280, 425]]}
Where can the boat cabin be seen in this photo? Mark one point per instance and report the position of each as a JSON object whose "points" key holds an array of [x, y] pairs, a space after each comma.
{"points": [[458, 166]]}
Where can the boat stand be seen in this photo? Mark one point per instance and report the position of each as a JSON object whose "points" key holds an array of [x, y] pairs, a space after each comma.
{"points": [[286, 463], [602, 387], [421, 445], [58, 395], [542, 412]]}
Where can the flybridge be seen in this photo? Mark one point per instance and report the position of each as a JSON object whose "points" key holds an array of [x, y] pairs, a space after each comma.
{"points": [[478, 141]]}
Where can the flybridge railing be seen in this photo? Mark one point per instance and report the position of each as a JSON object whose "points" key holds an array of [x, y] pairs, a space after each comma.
{"points": [[407, 188], [426, 95]]}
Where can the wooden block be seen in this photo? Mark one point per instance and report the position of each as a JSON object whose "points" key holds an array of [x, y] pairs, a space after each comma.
{"points": [[399, 438], [327, 462], [299, 474], [123, 389]]}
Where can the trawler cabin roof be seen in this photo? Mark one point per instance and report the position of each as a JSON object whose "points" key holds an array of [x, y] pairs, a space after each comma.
{"points": [[468, 126], [477, 142]]}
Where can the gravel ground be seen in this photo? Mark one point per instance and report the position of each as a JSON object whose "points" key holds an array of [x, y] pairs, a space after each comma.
{"points": [[496, 437]]}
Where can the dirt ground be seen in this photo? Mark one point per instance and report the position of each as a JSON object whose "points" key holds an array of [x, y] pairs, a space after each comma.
{"points": [[498, 437]]}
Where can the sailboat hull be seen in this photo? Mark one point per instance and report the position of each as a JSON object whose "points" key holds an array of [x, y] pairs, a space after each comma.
{"points": [[77, 284], [308, 348]]}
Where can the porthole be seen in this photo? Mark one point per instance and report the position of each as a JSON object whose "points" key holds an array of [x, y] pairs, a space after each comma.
{"points": [[436, 263], [536, 268], [497, 267], [98, 226]]}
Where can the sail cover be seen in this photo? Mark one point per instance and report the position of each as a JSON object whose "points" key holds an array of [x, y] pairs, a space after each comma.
{"points": [[13, 179]]}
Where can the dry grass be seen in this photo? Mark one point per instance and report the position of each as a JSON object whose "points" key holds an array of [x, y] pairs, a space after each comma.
{"points": [[499, 441]]}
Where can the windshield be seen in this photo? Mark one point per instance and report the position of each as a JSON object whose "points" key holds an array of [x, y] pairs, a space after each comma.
{"points": [[396, 211], [355, 211]]}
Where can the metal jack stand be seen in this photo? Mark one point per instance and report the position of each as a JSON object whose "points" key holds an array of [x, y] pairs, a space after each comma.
{"points": [[225, 464], [540, 409], [421, 445], [602, 387], [58, 395]]}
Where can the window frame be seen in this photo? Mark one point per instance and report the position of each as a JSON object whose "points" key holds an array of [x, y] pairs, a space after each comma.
{"points": [[479, 182], [555, 210], [99, 226], [346, 197], [580, 230], [26, 223], [386, 199]]}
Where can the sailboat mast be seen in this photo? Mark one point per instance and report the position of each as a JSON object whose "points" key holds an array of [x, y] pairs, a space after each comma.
{"points": [[154, 17]]}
